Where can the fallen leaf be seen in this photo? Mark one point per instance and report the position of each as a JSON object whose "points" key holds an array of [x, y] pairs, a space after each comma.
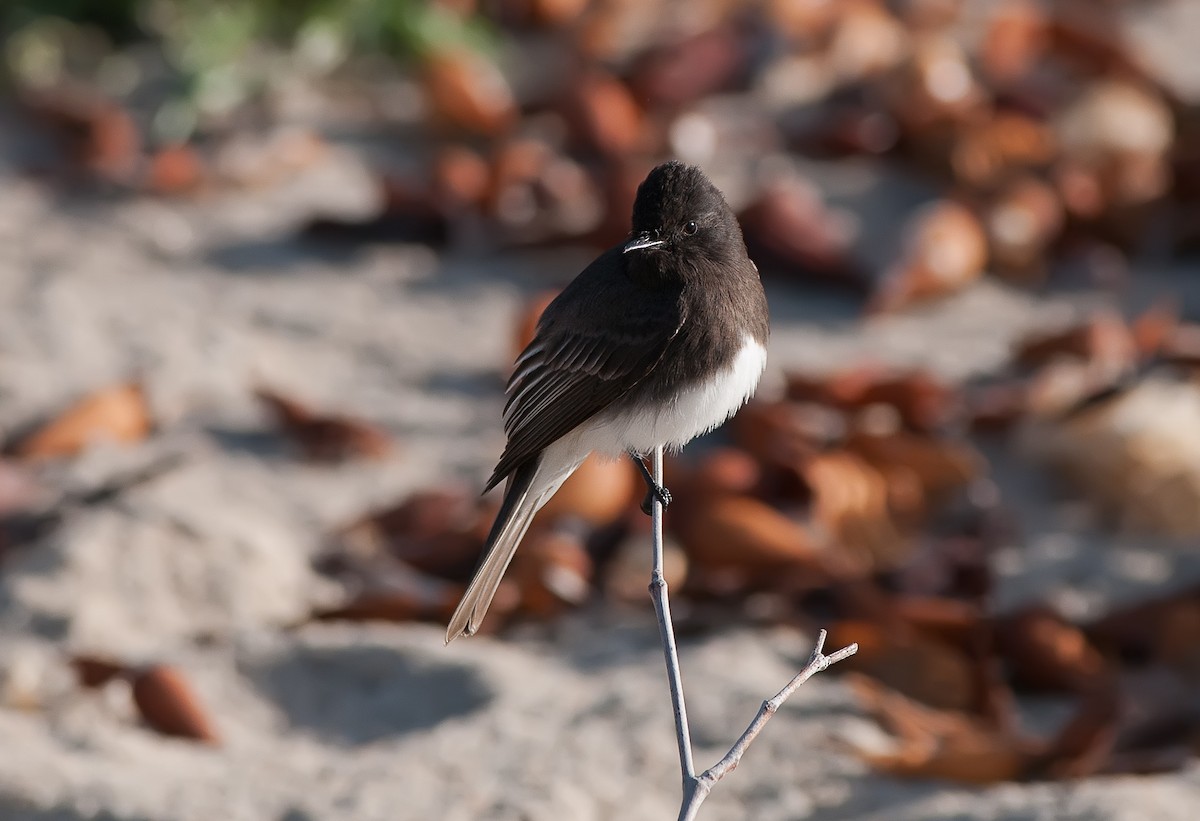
{"points": [[602, 114], [168, 704], [674, 74], [1046, 653], [1015, 37], [119, 414], [175, 169], [739, 541], [438, 531], [99, 135], [1022, 221], [325, 438], [466, 91], [94, 672], [790, 231], [851, 503], [918, 665], [553, 571], [989, 152], [924, 402], [945, 250], [940, 466], [1104, 339], [955, 622], [941, 744], [599, 491]]}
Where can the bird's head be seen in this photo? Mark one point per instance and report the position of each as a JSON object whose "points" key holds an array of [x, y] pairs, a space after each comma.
{"points": [[679, 215]]}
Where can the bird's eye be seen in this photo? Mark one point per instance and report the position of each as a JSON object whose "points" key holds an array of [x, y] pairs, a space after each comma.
{"points": [[691, 228]]}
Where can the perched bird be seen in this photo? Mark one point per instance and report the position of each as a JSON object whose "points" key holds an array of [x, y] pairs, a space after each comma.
{"points": [[656, 342]]}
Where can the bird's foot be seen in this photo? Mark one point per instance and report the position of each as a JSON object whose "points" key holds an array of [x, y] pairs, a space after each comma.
{"points": [[653, 489], [653, 492]]}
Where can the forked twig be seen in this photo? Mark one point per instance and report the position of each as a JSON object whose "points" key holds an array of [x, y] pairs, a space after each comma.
{"points": [[697, 787]]}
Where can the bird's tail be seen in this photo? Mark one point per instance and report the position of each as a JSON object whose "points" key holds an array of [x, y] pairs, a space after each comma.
{"points": [[521, 501]]}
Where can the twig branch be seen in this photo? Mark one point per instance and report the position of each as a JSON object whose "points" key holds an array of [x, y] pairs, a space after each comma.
{"points": [[697, 787], [666, 629]]}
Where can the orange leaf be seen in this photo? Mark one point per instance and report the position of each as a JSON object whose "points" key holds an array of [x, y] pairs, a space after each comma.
{"points": [[119, 413], [167, 703], [468, 92], [941, 744]]}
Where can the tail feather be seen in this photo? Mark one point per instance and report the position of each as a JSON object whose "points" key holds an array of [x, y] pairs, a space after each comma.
{"points": [[521, 502]]}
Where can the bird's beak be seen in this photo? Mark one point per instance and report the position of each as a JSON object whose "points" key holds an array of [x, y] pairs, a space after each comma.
{"points": [[643, 240]]}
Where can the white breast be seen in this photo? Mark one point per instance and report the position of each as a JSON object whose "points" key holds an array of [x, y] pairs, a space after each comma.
{"points": [[691, 413]]}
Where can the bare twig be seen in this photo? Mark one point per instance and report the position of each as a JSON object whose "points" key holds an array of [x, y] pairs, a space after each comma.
{"points": [[666, 629], [697, 787]]}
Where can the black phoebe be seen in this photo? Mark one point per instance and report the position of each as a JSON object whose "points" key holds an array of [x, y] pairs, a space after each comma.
{"points": [[656, 342]]}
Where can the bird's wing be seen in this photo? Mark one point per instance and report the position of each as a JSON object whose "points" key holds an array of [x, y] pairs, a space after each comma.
{"points": [[576, 367]]}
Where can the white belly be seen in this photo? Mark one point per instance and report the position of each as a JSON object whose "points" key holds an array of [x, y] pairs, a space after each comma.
{"points": [[691, 413]]}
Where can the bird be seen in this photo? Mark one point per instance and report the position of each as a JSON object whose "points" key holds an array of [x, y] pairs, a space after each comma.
{"points": [[659, 340]]}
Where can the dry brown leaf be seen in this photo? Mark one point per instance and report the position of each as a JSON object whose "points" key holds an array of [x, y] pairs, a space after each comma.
{"points": [[119, 414], [439, 531], [921, 98], [989, 151], [100, 136], [953, 621], [674, 74], [852, 503], [168, 704], [553, 571], [93, 671], [790, 230], [603, 115], [742, 538], [325, 438], [1016, 36], [175, 169], [1045, 652], [918, 665], [468, 92], [599, 492], [941, 744], [1022, 222], [940, 466], [1104, 339], [923, 402], [946, 250]]}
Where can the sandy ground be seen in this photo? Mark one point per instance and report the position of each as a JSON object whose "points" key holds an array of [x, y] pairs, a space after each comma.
{"points": [[205, 566]]}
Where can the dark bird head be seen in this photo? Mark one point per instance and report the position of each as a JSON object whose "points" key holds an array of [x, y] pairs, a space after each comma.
{"points": [[681, 219]]}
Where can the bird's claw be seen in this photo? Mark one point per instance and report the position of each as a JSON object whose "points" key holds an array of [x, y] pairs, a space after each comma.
{"points": [[653, 492]]}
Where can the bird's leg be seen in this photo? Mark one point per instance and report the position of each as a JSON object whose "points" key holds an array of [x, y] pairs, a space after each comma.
{"points": [[653, 489]]}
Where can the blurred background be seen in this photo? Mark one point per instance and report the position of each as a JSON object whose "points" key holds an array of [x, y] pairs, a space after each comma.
{"points": [[264, 267]]}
